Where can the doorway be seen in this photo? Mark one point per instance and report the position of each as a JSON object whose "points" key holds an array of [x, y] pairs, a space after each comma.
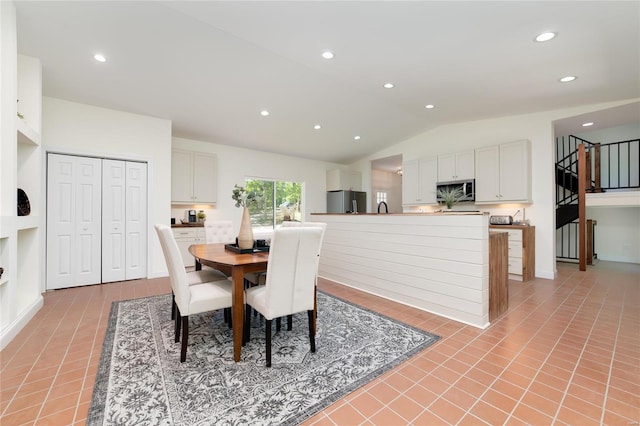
{"points": [[386, 183]]}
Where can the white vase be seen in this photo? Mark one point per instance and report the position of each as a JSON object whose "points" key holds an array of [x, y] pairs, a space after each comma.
{"points": [[245, 235]]}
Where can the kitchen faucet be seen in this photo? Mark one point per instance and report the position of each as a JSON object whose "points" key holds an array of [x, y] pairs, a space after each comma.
{"points": [[386, 208]]}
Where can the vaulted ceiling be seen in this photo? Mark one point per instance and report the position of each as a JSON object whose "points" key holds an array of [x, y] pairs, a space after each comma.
{"points": [[211, 67]]}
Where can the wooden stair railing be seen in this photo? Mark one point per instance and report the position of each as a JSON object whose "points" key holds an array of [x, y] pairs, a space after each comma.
{"points": [[582, 222]]}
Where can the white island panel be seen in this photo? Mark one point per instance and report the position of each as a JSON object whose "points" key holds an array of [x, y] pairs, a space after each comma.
{"points": [[435, 262]]}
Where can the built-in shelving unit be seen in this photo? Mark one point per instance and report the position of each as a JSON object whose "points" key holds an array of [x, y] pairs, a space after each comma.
{"points": [[21, 284], [4, 260]]}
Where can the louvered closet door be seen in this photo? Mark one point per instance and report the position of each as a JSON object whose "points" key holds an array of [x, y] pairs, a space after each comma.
{"points": [[136, 220], [113, 220], [73, 221]]}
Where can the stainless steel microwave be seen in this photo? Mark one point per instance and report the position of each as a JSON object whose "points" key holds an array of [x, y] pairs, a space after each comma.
{"points": [[468, 188]]}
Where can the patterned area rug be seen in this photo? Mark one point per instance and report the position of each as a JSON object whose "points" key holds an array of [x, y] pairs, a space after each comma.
{"points": [[141, 381]]}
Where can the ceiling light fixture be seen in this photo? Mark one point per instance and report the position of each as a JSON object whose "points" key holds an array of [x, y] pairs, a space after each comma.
{"points": [[389, 85], [590, 123], [567, 79], [317, 127], [327, 54], [545, 36], [356, 138], [100, 58], [429, 106], [264, 113]]}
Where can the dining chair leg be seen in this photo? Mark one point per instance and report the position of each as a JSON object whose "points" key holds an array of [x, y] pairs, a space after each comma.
{"points": [[278, 324], [246, 332], [178, 322], [228, 317], [312, 332], [315, 309], [289, 322], [173, 305], [268, 338], [185, 338]]}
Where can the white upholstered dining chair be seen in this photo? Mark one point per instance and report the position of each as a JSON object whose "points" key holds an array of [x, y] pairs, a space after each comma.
{"points": [[218, 231], [290, 283], [259, 278], [189, 299], [215, 232]]}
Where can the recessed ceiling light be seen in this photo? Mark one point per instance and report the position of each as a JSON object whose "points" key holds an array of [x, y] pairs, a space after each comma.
{"points": [[100, 58], [317, 127], [327, 54], [356, 138], [264, 113], [545, 36], [567, 79], [429, 106], [389, 85], [590, 123]]}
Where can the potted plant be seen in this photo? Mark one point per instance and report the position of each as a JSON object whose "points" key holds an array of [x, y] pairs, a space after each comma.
{"points": [[450, 196]]}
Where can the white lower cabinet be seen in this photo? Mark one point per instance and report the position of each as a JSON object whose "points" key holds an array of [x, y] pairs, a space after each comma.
{"points": [[522, 251], [186, 237]]}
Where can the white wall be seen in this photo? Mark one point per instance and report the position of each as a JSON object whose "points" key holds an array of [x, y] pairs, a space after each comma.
{"points": [[236, 164], [612, 134], [389, 182], [617, 234], [73, 128], [538, 128]]}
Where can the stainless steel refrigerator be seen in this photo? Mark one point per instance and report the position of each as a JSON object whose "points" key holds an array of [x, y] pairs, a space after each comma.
{"points": [[346, 202]]}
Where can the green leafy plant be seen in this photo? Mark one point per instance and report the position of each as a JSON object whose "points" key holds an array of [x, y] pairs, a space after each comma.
{"points": [[450, 196], [244, 198]]}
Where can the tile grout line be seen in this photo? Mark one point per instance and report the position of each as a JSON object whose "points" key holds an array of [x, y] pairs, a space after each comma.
{"points": [[553, 347], [34, 363], [519, 401], [613, 354], [75, 331], [573, 373], [84, 379]]}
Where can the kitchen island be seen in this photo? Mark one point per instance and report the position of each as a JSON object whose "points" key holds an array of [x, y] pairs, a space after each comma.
{"points": [[437, 262]]}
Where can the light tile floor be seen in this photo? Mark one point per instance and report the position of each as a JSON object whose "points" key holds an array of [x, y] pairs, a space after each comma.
{"points": [[567, 352]]}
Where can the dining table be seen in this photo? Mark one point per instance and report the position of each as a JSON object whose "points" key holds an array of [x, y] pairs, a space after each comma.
{"points": [[234, 265]]}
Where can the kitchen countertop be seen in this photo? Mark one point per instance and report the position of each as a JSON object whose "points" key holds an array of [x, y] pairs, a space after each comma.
{"points": [[188, 225], [402, 214]]}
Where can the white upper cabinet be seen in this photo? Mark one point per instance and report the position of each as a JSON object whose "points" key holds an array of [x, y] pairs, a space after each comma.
{"points": [[458, 166], [419, 181], [194, 177], [503, 173], [339, 179]]}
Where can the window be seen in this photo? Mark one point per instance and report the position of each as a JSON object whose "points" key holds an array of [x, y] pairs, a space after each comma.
{"points": [[380, 197], [280, 201]]}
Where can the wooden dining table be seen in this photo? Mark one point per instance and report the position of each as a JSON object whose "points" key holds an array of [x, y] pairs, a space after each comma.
{"points": [[234, 265]]}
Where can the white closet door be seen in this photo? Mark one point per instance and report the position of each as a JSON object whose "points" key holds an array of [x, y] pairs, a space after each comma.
{"points": [[73, 221], [136, 220], [113, 220]]}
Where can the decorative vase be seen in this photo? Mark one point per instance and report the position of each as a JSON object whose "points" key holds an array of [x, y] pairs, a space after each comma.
{"points": [[245, 235]]}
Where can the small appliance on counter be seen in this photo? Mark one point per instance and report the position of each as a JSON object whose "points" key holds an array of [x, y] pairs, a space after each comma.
{"points": [[501, 220], [507, 219], [190, 216]]}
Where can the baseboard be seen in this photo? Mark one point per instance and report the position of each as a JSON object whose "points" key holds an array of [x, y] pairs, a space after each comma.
{"points": [[18, 324]]}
